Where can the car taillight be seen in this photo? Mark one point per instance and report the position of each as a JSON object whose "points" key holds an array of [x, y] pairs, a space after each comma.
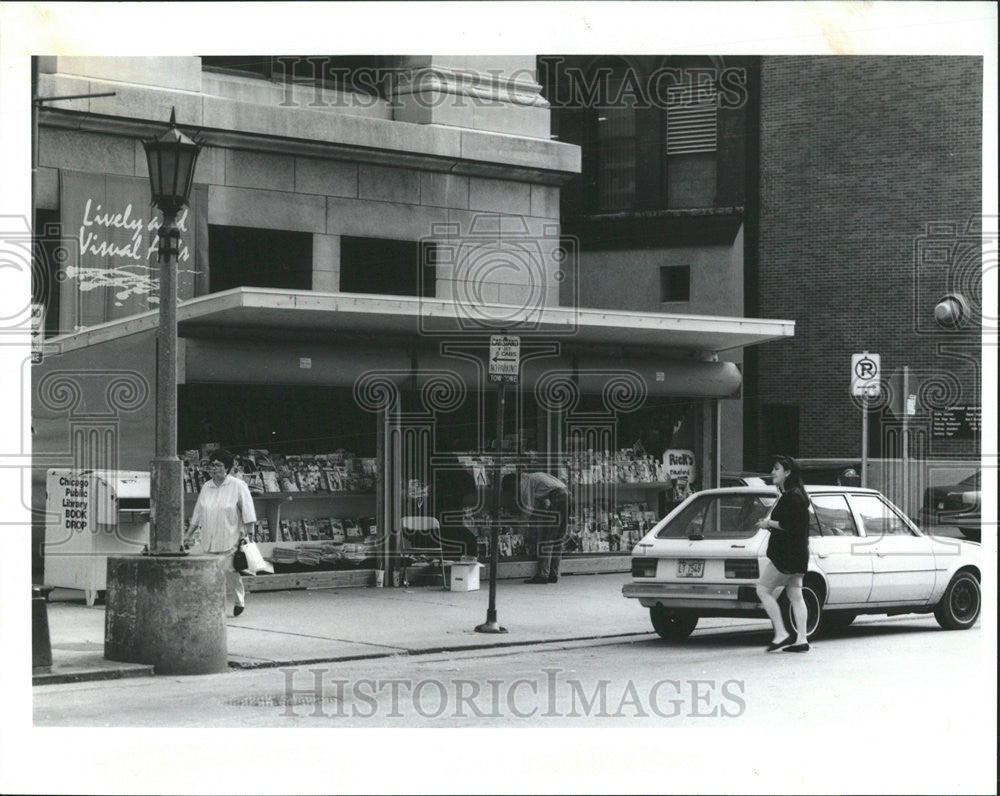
{"points": [[643, 567], [742, 568]]}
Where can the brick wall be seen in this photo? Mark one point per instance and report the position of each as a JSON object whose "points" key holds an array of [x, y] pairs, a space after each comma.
{"points": [[857, 156]]}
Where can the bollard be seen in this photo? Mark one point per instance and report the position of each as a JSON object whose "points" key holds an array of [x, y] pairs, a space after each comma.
{"points": [[41, 646]]}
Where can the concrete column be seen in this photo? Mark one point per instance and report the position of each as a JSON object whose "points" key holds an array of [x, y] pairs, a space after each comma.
{"points": [[496, 93], [168, 612], [326, 263]]}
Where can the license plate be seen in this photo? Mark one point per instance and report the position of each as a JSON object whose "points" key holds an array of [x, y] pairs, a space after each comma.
{"points": [[690, 568]]}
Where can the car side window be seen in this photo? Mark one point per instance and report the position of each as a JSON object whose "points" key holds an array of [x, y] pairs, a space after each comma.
{"points": [[834, 515], [878, 518]]}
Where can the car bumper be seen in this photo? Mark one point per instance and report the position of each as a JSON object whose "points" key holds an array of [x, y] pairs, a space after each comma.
{"points": [[727, 597]]}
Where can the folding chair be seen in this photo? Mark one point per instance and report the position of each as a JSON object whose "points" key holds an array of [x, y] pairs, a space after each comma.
{"points": [[421, 536]]}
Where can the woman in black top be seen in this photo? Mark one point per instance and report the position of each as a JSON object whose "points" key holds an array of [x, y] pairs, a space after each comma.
{"points": [[787, 555]]}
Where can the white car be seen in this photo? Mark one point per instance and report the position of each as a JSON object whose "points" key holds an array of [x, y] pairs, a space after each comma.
{"points": [[865, 557]]}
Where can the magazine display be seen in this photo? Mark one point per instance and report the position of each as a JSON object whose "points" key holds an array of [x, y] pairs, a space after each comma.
{"points": [[264, 472]]}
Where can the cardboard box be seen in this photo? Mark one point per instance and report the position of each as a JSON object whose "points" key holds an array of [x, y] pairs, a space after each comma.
{"points": [[465, 576]]}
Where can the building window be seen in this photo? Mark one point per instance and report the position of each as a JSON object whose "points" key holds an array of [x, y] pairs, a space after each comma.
{"points": [[691, 141], [249, 257], [48, 249], [781, 429], [675, 283], [387, 267], [611, 153], [615, 159]]}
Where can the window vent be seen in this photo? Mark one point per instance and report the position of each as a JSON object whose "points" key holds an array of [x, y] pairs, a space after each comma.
{"points": [[691, 121]]}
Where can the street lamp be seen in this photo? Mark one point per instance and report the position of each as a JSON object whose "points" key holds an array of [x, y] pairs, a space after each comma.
{"points": [[171, 159], [168, 608]]}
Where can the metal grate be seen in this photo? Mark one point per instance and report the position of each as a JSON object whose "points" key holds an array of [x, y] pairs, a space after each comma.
{"points": [[691, 121]]}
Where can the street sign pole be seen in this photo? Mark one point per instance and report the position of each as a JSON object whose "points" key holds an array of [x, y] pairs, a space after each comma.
{"points": [[864, 441], [906, 438], [866, 373], [504, 364], [491, 625]]}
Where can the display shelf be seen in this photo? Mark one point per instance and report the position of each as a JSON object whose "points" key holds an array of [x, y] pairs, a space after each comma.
{"points": [[271, 505], [638, 485]]}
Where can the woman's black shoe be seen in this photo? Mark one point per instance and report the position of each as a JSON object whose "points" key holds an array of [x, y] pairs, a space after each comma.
{"points": [[797, 648], [238, 609], [537, 579], [777, 645]]}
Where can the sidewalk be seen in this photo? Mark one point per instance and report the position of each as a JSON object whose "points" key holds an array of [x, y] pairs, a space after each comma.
{"points": [[305, 626]]}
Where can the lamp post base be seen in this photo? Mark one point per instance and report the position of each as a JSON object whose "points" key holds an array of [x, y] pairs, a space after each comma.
{"points": [[168, 612], [490, 627]]}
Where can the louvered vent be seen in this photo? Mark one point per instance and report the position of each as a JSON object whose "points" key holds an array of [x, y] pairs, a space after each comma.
{"points": [[691, 123]]}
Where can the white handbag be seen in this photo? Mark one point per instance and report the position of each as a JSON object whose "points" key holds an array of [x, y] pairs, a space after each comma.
{"points": [[255, 561]]}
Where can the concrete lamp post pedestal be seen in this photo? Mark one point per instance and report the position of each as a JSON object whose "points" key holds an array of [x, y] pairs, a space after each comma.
{"points": [[168, 612]]}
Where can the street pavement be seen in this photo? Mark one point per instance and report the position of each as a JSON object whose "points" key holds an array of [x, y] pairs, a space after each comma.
{"points": [[287, 627], [896, 703]]}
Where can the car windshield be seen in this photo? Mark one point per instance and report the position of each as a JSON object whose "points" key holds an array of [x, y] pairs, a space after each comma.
{"points": [[719, 516]]}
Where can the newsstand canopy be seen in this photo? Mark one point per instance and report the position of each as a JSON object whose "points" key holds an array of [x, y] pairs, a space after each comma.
{"points": [[260, 335], [248, 308]]}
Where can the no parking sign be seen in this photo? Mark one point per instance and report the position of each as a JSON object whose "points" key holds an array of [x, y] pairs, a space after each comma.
{"points": [[866, 373]]}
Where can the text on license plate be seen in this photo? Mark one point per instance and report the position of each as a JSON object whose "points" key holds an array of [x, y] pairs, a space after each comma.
{"points": [[690, 567]]}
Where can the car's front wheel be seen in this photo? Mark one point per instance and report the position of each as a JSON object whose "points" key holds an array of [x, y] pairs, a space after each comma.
{"points": [[960, 604], [671, 624], [814, 610]]}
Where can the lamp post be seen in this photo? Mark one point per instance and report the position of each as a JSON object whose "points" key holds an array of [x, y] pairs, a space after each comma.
{"points": [[168, 608], [171, 159]]}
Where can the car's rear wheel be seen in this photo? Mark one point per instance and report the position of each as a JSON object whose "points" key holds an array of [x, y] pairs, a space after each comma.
{"points": [[814, 610], [671, 624], [972, 534], [960, 604]]}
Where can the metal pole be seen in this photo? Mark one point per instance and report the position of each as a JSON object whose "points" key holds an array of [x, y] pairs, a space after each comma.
{"points": [[167, 526], [491, 625], [906, 439], [864, 440], [380, 522]]}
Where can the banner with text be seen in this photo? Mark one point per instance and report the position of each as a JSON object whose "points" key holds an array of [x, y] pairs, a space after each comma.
{"points": [[109, 226]]}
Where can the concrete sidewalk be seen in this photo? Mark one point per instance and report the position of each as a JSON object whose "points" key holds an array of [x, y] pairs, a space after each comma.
{"points": [[343, 624]]}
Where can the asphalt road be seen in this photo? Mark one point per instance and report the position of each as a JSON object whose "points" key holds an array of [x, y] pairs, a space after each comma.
{"points": [[890, 706], [889, 670]]}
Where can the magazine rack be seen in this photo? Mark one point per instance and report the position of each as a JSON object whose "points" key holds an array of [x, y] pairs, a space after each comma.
{"points": [[421, 536]]}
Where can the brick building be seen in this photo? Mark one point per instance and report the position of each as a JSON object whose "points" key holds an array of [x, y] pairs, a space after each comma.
{"points": [[866, 213]]}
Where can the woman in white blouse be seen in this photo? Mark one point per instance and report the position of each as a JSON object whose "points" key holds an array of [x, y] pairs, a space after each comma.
{"points": [[225, 513]]}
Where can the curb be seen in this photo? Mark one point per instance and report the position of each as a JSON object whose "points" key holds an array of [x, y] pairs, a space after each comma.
{"points": [[403, 652], [91, 675]]}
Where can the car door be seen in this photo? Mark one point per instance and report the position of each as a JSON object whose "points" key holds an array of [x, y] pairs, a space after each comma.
{"points": [[839, 551], [902, 560]]}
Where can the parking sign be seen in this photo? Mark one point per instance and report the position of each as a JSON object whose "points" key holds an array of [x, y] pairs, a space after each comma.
{"points": [[866, 373]]}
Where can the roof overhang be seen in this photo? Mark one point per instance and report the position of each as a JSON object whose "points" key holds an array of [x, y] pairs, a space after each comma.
{"points": [[305, 312]]}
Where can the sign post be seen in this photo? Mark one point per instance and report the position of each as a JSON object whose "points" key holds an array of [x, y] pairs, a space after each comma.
{"points": [[866, 372], [504, 361]]}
